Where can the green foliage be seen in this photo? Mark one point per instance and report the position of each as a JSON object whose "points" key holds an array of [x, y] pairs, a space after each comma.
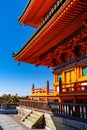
{"points": [[8, 98]]}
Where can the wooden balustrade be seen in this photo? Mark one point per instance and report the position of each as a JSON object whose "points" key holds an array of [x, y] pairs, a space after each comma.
{"points": [[66, 110], [42, 91], [38, 90], [35, 104], [74, 87], [70, 110]]}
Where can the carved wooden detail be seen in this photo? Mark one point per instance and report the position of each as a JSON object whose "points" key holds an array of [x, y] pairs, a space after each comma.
{"points": [[74, 48]]}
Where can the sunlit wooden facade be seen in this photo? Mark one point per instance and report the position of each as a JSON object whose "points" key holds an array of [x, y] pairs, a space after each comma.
{"points": [[60, 42]]}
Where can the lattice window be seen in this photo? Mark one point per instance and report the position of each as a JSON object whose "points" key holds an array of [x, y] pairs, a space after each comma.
{"points": [[59, 77], [84, 71]]}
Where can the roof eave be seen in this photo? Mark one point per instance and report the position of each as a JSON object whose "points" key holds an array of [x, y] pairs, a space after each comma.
{"points": [[20, 17]]}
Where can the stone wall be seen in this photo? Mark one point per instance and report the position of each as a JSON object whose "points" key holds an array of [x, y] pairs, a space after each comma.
{"points": [[23, 111], [58, 123]]}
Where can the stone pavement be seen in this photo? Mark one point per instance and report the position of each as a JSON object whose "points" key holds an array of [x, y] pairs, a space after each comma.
{"points": [[7, 123], [12, 122]]}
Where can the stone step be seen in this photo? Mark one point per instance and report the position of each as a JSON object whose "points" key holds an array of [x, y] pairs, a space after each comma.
{"points": [[33, 119], [34, 115], [28, 123]]}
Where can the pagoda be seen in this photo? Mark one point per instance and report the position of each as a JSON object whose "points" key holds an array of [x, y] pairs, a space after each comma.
{"points": [[60, 42]]}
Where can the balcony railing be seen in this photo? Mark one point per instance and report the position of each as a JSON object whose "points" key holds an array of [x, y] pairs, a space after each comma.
{"points": [[35, 104], [70, 110], [66, 110], [74, 87], [38, 90], [41, 90]]}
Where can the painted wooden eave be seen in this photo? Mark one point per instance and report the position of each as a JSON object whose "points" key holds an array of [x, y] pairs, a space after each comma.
{"points": [[68, 19], [35, 12]]}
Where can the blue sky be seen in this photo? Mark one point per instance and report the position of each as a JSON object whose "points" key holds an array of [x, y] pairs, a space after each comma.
{"points": [[15, 79]]}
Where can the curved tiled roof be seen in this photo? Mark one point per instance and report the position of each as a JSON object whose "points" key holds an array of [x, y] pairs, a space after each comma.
{"points": [[35, 12], [66, 21]]}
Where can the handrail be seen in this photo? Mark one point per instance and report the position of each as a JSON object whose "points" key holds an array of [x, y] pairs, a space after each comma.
{"points": [[35, 104], [74, 87], [66, 110], [38, 90], [70, 110], [76, 82]]}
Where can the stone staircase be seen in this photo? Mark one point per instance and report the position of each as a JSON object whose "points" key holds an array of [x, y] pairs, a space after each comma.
{"points": [[33, 119]]}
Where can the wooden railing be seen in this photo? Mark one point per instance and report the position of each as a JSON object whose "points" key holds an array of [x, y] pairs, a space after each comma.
{"points": [[66, 110], [70, 110], [41, 91], [38, 90], [74, 87], [34, 104]]}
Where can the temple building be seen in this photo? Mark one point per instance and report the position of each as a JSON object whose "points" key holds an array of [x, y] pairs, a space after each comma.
{"points": [[60, 42]]}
